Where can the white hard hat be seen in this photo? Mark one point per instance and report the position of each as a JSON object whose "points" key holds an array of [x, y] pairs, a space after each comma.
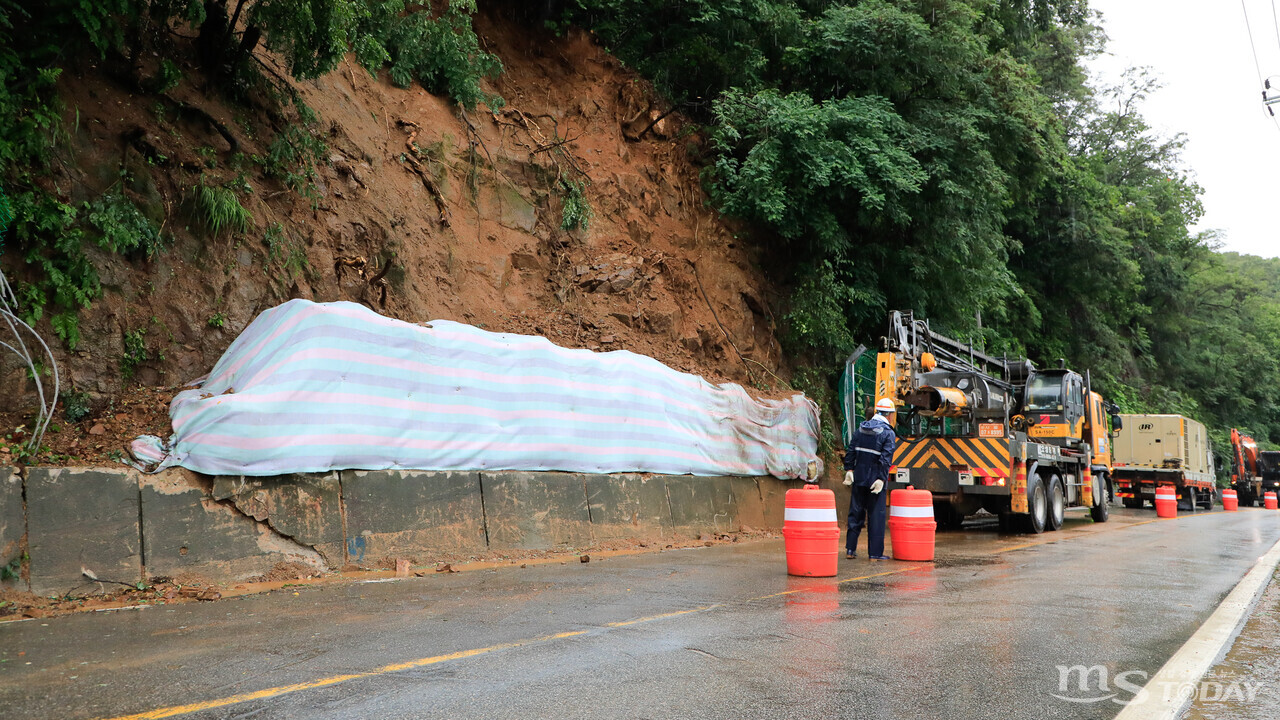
{"points": [[885, 405]]}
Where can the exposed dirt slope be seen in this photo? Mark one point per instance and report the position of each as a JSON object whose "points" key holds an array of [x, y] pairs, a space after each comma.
{"points": [[464, 207]]}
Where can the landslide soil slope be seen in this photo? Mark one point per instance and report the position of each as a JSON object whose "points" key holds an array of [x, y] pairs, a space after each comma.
{"points": [[421, 211]]}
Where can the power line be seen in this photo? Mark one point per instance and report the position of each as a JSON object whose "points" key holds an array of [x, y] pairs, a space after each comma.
{"points": [[1275, 22], [1256, 66]]}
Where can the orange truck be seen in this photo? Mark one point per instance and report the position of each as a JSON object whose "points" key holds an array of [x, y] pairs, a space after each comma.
{"points": [[1155, 450]]}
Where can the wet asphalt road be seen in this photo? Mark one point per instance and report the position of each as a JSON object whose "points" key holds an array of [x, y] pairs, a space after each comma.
{"points": [[708, 633]]}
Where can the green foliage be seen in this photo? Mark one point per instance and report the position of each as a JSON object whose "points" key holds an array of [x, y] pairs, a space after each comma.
{"points": [[217, 320], [292, 158], [6, 212], [169, 77], [12, 570], [209, 156], [46, 233], [75, 406], [219, 208], [807, 171], [817, 319], [312, 35], [443, 53], [122, 228], [286, 252], [135, 352], [575, 211]]}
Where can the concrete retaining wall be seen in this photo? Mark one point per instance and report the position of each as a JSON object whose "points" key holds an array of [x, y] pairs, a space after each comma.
{"points": [[67, 526]]}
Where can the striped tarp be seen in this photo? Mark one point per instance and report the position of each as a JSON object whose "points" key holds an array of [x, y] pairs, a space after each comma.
{"points": [[311, 387]]}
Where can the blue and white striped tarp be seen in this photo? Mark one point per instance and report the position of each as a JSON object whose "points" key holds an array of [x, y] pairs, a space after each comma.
{"points": [[311, 387]]}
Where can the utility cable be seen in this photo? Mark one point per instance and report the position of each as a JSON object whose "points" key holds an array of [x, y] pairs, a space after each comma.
{"points": [[1275, 22], [1254, 49]]}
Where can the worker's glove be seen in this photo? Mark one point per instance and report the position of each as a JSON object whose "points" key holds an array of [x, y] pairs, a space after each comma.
{"points": [[876, 487], [848, 477]]}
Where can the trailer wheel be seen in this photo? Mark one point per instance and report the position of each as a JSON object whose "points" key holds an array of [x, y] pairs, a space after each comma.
{"points": [[1057, 502], [1101, 509], [1188, 502], [1038, 504]]}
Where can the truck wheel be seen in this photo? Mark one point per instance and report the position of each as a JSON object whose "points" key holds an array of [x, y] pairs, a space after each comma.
{"points": [[1187, 500], [1038, 504], [1057, 502], [1208, 498], [1101, 509]]}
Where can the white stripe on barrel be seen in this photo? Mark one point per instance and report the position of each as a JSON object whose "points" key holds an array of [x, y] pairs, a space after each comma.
{"points": [[809, 514], [1167, 493], [925, 511]]}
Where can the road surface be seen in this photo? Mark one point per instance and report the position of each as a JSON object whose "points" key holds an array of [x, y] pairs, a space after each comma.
{"points": [[990, 630]]}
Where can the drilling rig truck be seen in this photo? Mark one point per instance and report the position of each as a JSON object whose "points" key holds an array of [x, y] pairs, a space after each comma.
{"points": [[983, 432]]}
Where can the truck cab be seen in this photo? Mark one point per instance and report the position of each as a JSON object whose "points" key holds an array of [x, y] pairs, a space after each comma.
{"points": [[1060, 407], [1054, 406], [1269, 470]]}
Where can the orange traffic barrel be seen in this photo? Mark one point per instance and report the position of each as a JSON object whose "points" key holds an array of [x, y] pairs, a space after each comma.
{"points": [[1166, 501], [1269, 500], [911, 525], [810, 532], [1230, 501]]}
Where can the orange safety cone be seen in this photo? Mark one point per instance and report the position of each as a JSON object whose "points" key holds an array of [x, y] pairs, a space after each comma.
{"points": [[911, 524], [1230, 501], [1166, 502], [810, 532], [1269, 500]]}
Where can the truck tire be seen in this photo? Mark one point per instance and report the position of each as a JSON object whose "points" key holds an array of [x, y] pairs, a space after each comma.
{"points": [[1101, 509], [1187, 499], [1038, 504], [1057, 497], [1209, 498]]}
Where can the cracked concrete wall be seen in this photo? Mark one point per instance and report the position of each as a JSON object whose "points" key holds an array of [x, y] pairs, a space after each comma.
{"points": [[188, 533], [123, 526], [306, 507]]}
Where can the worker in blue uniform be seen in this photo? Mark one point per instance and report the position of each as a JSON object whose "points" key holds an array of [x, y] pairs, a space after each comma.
{"points": [[866, 465]]}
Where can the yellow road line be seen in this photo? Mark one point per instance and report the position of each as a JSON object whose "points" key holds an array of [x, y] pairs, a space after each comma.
{"points": [[334, 680], [663, 616], [175, 710]]}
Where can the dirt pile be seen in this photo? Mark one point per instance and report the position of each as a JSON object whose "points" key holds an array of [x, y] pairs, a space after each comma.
{"points": [[419, 210]]}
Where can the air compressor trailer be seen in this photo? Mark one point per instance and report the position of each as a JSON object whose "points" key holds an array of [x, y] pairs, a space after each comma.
{"points": [[1155, 450]]}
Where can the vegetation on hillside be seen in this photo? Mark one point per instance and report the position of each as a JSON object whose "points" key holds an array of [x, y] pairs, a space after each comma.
{"points": [[145, 44], [950, 156], [945, 156]]}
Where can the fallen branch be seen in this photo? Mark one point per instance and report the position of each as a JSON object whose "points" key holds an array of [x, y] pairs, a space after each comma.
{"points": [[428, 181]]}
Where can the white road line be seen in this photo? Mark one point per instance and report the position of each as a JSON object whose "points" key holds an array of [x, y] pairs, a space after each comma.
{"points": [[1199, 654]]}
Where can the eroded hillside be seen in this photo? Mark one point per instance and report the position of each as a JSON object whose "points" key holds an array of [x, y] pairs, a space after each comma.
{"points": [[417, 209]]}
